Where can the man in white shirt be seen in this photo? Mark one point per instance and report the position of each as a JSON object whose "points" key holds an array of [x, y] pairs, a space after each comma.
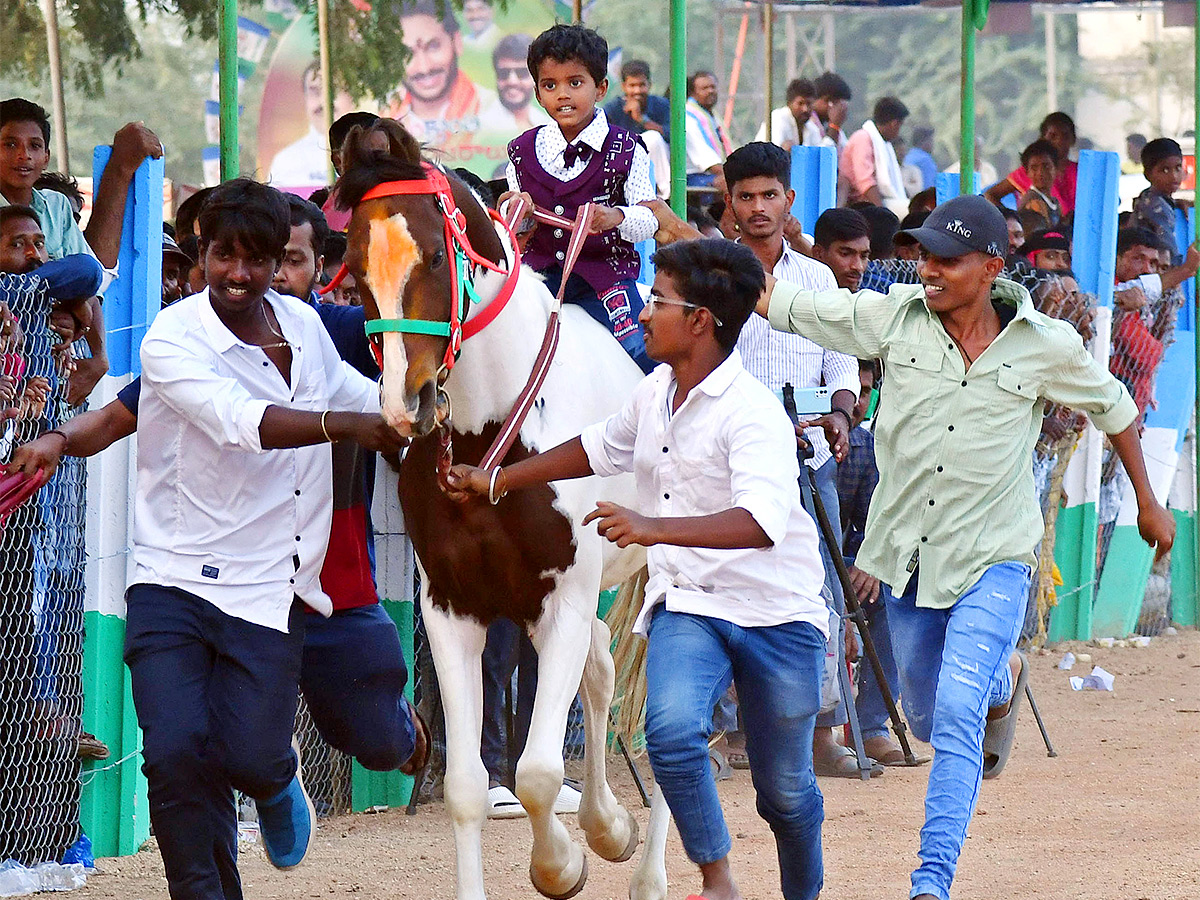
{"points": [[233, 510], [759, 199], [707, 142], [792, 123], [734, 589]]}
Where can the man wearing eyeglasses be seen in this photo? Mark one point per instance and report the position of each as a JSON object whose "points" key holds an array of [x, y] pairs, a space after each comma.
{"points": [[514, 111]]}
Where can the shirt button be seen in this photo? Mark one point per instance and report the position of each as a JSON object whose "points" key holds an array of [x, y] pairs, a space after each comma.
{"points": [[964, 383], [291, 581], [666, 496], [949, 427], [951, 346], [939, 468], [559, 210], [297, 537], [265, 363], [924, 539], [297, 493], [559, 255], [558, 232], [664, 449], [913, 360], [931, 503]]}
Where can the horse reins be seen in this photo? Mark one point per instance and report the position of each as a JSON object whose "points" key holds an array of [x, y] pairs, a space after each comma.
{"points": [[459, 328]]}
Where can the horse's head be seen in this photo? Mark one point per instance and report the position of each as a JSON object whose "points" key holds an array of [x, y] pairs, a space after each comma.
{"points": [[397, 253]]}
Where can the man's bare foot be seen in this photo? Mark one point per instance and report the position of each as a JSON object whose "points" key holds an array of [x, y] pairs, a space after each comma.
{"points": [[884, 750], [718, 881], [832, 760], [999, 712]]}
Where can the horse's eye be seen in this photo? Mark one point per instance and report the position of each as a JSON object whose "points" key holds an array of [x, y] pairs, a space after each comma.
{"points": [[438, 258]]}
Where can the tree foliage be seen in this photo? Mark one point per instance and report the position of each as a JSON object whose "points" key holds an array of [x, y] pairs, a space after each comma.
{"points": [[94, 34]]}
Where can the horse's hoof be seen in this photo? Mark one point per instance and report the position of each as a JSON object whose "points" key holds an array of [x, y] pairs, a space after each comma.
{"points": [[606, 852], [571, 892]]}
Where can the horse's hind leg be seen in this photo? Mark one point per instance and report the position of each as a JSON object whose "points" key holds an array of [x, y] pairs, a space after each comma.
{"points": [[457, 645], [649, 880], [611, 831], [558, 866]]}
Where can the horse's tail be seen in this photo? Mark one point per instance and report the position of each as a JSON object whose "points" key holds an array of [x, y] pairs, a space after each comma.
{"points": [[629, 660]]}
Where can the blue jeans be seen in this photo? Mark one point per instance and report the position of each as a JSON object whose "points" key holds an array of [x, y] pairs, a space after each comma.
{"points": [[690, 662], [508, 649], [825, 481], [971, 642], [353, 678], [872, 711], [617, 309]]}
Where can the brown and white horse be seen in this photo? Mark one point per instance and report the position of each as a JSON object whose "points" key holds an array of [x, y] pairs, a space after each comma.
{"points": [[526, 558]]}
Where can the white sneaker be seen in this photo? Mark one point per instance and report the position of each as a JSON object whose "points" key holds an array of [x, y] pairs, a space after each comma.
{"points": [[503, 804], [567, 800]]}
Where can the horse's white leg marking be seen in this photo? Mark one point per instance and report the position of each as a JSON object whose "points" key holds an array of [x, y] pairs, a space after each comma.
{"points": [[562, 636], [611, 830], [457, 645], [649, 880]]}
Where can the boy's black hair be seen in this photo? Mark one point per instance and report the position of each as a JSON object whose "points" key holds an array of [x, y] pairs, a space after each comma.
{"points": [[755, 159], [1010, 215], [699, 73], [724, 277], [1040, 147], [340, 128], [884, 225], [832, 87], [65, 185], [1058, 118], [874, 367], [570, 43], [188, 212], [800, 87], [301, 211], [716, 209], [14, 211], [1157, 150], [18, 109], [1136, 236], [840, 224], [334, 249], [889, 109], [249, 212], [914, 219], [635, 68]]}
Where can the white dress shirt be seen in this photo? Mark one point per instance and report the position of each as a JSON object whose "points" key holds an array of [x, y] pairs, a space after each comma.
{"points": [[776, 358], [639, 223], [215, 514], [728, 445]]}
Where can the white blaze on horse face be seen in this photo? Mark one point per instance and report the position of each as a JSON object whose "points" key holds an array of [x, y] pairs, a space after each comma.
{"points": [[392, 254]]}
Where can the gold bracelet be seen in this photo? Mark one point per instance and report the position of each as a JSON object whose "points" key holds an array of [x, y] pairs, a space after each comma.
{"points": [[325, 430]]}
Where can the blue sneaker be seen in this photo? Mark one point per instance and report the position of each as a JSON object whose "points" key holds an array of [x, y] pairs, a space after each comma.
{"points": [[288, 822]]}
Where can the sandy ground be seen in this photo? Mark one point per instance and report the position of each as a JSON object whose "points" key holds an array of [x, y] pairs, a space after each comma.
{"points": [[1116, 816]]}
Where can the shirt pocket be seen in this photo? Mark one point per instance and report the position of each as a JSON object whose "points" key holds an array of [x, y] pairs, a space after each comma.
{"points": [[913, 371]]}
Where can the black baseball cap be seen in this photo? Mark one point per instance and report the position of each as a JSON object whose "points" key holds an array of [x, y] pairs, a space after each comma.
{"points": [[1047, 239], [963, 225]]}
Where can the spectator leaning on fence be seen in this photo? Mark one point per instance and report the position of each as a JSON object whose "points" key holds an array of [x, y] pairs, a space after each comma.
{"points": [[229, 541], [954, 521], [1156, 208]]}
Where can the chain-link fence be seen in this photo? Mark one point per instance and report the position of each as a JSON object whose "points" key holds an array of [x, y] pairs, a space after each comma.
{"points": [[41, 598]]}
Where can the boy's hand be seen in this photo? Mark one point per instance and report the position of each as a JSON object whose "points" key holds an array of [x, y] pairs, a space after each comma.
{"points": [[527, 220], [622, 526], [133, 143], [837, 432], [1191, 260], [467, 483], [1157, 528], [605, 218]]}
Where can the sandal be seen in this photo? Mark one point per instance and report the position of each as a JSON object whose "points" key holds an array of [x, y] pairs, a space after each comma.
{"points": [[1000, 733], [846, 766]]}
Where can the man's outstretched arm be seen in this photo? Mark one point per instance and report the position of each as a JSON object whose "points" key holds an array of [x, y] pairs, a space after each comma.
{"points": [[83, 435]]}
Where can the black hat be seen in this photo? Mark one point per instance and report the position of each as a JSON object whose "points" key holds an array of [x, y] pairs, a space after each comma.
{"points": [[170, 248], [963, 225]]}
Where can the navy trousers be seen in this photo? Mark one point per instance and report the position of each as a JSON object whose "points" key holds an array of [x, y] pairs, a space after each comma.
{"points": [[216, 700]]}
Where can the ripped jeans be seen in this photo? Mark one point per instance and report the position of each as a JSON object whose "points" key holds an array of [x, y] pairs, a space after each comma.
{"points": [[946, 701]]}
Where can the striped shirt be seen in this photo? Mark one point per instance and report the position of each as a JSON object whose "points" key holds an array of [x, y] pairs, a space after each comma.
{"points": [[777, 358]]}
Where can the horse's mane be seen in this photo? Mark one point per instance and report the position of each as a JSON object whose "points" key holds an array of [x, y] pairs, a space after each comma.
{"points": [[370, 156]]}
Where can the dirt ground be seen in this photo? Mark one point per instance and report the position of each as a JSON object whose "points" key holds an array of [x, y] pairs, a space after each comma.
{"points": [[1116, 816]]}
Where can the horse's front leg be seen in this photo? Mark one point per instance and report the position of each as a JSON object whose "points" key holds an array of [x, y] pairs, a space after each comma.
{"points": [[611, 831], [558, 865], [649, 880], [457, 645]]}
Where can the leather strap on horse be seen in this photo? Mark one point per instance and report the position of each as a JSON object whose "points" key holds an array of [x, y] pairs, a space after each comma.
{"points": [[541, 366]]}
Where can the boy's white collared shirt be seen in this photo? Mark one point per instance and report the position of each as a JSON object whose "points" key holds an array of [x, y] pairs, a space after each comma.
{"points": [[639, 223], [729, 444], [215, 514]]}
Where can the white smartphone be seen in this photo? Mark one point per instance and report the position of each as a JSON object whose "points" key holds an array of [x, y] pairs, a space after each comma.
{"points": [[815, 401]]}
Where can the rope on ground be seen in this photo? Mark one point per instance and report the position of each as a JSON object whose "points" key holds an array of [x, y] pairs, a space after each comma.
{"points": [[629, 660]]}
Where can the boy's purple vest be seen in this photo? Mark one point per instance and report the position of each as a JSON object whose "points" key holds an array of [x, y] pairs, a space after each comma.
{"points": [[605, 258]]}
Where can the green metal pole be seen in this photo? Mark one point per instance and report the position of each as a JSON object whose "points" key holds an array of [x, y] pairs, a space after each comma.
{"points": [[966, 177], [678, 99], [1196, 306], [227, 16]]}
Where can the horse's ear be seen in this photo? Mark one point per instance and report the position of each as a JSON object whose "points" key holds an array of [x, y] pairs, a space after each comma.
{"points": [[352, 148], [402, 145]]}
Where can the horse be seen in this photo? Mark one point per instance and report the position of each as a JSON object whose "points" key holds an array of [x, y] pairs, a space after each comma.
{"points": [[527, 557]]}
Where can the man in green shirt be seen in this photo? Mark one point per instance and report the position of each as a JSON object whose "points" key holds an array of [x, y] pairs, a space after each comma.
{"points": [[954, 521]]}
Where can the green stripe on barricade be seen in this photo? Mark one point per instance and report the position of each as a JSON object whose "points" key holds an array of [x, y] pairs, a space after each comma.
{"points": [[1075, 555], [372, 789], [1185, 610], [1122, 584]]}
